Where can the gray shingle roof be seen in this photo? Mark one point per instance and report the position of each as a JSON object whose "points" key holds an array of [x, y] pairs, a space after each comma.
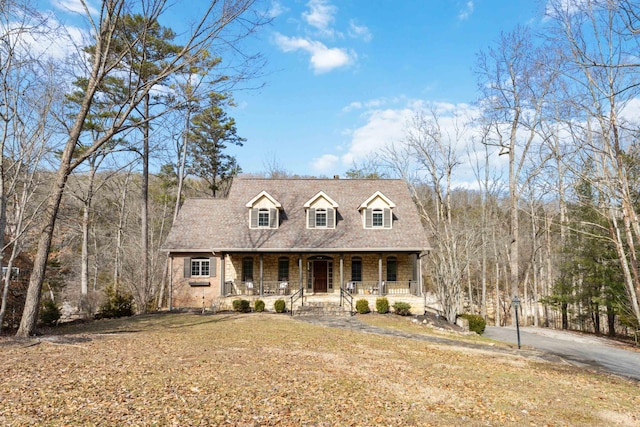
{"points": [[214, 225]]}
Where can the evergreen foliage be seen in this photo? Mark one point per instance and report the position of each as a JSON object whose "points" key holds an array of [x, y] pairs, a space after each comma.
{"points": [[382, 305], [117, 304], [280, 306], [402, 308], [241, 305], [211, 131], [50, 312], [477, 323], [362, 306]]}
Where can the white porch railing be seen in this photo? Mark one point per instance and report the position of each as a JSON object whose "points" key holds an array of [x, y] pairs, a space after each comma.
{"points": [[270, 288], [253, 288], [409, 287]]}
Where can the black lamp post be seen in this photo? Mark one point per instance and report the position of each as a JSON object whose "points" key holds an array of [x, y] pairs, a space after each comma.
{"points": [[516, 305]]}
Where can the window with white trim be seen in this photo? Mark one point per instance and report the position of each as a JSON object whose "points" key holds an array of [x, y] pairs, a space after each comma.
{"points": [[200, 267], [321, 218], [263, 218], [377, 218]]}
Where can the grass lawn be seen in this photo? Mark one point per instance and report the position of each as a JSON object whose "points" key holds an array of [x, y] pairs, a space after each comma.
{"points": [[266, 370]]}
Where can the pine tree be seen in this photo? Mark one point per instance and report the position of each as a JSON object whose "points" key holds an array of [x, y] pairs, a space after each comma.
{"points": [[211, 132]]}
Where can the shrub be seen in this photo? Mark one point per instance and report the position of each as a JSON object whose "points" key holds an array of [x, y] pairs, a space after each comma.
{"points": [[241, 305], [477, 323], [50, 313], [117, 304], [258, 306], [280, 306], [402, 308], [382, 305], [362, 306]]}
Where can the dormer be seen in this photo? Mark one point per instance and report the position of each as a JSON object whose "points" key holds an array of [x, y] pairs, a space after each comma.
{"points": [[321, 211], [264, 211], [377, 212]]}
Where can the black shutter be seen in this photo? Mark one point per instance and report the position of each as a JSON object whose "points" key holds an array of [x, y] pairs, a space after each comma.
{"points": [[253, 213], [213, 266], [312, 218], [187, 267], [330, 218], [368, 219], [273, 218], [387, 218]]}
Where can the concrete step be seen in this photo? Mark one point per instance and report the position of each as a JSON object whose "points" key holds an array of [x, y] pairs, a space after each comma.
{"points": [[317, 308]]}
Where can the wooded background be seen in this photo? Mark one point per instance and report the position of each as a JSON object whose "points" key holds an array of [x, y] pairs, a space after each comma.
{"points": [[101, 144]]}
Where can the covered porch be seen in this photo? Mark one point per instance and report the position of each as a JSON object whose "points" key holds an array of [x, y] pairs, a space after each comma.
{"points": [[282, 274]]}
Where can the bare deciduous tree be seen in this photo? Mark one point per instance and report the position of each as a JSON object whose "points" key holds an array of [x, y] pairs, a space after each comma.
{"points": [[208, 30]]}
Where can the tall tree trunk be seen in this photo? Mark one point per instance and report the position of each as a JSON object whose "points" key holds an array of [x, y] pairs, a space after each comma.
{"points": [[549, 269], [119, 231], [84, 257], [497, 282], [514, 227], [611, 320], [183, 161], [144, 215], [32, 300]]}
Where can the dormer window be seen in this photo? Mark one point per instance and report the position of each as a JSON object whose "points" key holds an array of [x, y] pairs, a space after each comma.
{"points": [[321, 211], [264, 211], [377, 211]]}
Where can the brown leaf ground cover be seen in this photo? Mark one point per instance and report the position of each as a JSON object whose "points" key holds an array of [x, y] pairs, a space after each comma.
{"points": [[271, 370]]}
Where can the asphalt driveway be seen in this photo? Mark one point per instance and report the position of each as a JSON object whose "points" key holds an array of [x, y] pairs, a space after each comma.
{"points": [[578, 349]]}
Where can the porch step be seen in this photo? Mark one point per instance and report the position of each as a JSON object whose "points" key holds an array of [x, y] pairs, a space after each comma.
{"points": [[319, 308]]}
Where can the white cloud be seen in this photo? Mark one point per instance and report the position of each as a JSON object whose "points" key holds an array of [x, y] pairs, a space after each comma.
{"points": [[325, 164], [75, 6], [323, 58], [386, 126], [52, 41], [561, 7], [382, 128], [359, 31], [276, 9], [466, 11], [370, 104], [356, 105], [320, 15]]}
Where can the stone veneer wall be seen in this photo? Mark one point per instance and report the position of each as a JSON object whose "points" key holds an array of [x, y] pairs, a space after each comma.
{"points": [[233, 270]]}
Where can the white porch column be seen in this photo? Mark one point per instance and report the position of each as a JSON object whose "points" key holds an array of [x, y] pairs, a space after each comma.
{"points": [[300, 278], [379, 274], [261, 274], [222, 271], [170, 299], [341, 271]]}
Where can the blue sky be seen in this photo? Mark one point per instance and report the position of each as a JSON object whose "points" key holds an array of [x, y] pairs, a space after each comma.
{"points": [[343, 77]]}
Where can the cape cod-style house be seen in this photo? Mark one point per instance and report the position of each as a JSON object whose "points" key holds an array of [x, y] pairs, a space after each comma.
{"points": [[279, 237]]}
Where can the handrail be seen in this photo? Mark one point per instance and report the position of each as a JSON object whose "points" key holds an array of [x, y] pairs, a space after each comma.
{"points": [[346, 295], [296, 296]]}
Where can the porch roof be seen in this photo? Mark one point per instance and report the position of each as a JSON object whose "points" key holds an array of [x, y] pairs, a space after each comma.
{"points": [[222, 225]]}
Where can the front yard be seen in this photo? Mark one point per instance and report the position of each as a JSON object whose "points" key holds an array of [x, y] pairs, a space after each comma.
{"points": [[268, 369]]}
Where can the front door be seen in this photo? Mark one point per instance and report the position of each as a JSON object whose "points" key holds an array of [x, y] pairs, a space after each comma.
{"points": [[320, 276]]}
